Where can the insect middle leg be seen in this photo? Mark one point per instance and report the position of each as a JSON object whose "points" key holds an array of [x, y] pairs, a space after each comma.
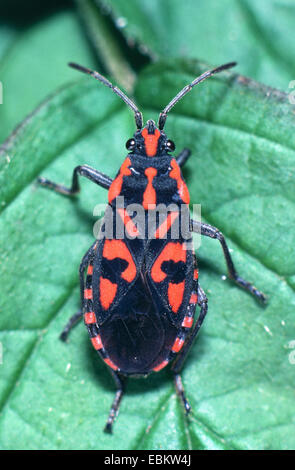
{"points": [[178, 363], [83, 170], [212, 232]]}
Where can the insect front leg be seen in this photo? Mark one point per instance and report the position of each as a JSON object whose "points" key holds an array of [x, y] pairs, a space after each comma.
{"points": [[178, 363], [183, 157], [213, 232], [83, 170]]}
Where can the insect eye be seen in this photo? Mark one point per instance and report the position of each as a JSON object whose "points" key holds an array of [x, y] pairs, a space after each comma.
{"points": [[170, 146], [130, 144]]}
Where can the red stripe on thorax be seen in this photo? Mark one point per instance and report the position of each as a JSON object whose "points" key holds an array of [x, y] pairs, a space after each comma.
{"points": [[116, 186], [181, 186], [149, 196]]}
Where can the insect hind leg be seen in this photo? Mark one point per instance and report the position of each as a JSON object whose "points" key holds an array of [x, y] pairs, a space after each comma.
{"points": [[88, 257], [120, 384], [180, 392], [178, 363], [212, 232]]}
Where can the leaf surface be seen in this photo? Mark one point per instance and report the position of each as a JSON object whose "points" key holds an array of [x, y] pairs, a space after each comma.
{"points": [[238, 376], [33, 63], [255, 34]]}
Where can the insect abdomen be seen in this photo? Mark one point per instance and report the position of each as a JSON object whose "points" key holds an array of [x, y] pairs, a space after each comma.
{"points": [[136, 337]]}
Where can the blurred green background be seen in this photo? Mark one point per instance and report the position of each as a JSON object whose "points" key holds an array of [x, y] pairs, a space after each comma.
{"points": [[239, 376], [119, 37]]}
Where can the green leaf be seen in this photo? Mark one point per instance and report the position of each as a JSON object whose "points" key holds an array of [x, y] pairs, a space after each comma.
{"points": [[107, 47], [7, 36], [238, 376], [255, 34], [33, 63]]}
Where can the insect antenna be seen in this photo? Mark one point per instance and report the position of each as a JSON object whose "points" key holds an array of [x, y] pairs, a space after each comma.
{"points": [[102, 79], [187, 88]]}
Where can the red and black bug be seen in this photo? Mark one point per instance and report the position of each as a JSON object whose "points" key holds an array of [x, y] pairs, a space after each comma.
{"points": [[139, 292]]}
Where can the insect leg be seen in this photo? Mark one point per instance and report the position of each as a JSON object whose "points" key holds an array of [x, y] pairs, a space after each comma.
{"points": [[84, 170], [78, 316], [183, 157], [178, 363], [213, 232], [119, 382], [71, 323], [181, 393], [202, 302]]}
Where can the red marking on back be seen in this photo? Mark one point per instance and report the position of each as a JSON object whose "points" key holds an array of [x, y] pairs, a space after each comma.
{"points": [[149, 196], [118, 249], [88, 293], [172, 251], [193, 299], [175, 295], [96, 342], [196, 274], [107, 292], [110, 363], [89, 318], [181, 186], [151, 141], [160, 366], [187, 322], [116, 186], [128, 222], [165, 226], [178, 343], [90, 270]]}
